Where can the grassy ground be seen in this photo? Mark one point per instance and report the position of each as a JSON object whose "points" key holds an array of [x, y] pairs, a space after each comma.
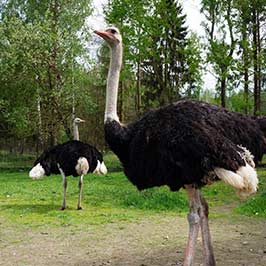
{"points": [[107, 199], [119, 225]]}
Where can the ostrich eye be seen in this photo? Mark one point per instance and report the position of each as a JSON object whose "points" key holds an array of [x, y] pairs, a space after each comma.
{"points": [[113, 31]]}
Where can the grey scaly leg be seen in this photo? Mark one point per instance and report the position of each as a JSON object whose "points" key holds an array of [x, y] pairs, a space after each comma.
{"points": [[80, 192], [194, 223], [205, 233], [198, 218], [64, 179]]}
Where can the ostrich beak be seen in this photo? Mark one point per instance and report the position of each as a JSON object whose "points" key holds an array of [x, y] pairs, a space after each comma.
{"points": [[105, 35]]}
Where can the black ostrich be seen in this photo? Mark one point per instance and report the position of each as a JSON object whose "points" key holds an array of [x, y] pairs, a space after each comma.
{"points": [[261, 121], [186, 144], [70, 158]]}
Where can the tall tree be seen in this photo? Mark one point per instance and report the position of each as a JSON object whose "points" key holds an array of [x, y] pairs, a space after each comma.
{"points": [[257, 8], [155, 38], [46, 39], [244, 21], [165, 64], [235, 46], [219, 21]]}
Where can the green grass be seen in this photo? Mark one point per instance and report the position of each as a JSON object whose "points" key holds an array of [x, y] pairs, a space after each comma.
{"points": [[106, 199], [256, 205]]}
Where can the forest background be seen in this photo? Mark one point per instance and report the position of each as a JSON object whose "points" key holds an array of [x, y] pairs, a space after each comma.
{"points": [[50, 71]]}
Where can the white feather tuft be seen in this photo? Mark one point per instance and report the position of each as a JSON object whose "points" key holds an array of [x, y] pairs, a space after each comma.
{"points": [[37, 172], [230, 178], [82, 166], [100, 168], [245, 179], [250, 178], [103, 169], [247, 156]]}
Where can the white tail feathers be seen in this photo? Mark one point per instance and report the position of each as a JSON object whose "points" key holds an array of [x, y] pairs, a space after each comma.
{"points": [[251, 181], [37, 172], [245, 179], [82, 166], [100, 168], [103, 169], [230, 177]]}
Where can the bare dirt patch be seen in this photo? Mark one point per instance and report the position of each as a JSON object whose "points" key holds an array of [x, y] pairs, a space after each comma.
{"points": [[155, 241]]}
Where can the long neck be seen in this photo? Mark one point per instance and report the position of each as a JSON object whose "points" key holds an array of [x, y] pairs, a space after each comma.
{"points": [[75, 131], [112, 84]]}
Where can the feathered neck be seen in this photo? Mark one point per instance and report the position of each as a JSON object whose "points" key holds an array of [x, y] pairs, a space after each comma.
{"points": [[75, 131], [113, 83]]}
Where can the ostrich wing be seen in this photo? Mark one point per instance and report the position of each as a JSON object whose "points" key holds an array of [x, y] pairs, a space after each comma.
{"points": [[171, 149]]}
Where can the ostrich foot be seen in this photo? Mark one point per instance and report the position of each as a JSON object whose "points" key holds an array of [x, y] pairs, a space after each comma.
{"points": [[62, 208], [79, 208]]}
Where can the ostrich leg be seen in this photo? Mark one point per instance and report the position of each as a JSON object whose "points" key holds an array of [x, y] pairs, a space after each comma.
{"points": [[205, 233], [64, 187], [80, 192], [194, 223]]}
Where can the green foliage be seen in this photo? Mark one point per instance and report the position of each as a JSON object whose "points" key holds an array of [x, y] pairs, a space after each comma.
{"points": [[238, 103], [45, 78], [12, 158], [256, 205], [40, 49], [234, 47], [193, 86], [157, 50], [113, 163]]}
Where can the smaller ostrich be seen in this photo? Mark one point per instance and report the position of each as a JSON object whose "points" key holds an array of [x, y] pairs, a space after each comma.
{"points": [[70, 158]]}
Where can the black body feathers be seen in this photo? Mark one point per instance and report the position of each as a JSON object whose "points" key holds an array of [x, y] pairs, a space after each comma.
{"points": [[261, 120], [182, 143], [67, 155]]}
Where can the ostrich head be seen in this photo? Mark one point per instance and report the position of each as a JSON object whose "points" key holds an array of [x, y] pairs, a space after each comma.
{"points": [[77, 120], [111, 35]]}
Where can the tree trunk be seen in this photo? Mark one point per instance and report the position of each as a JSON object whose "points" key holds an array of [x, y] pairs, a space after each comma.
{"points": [[255, 62], [259, 61], [245, 64], [40, 132], [246, 91], [223, 84], [138, 100]]}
